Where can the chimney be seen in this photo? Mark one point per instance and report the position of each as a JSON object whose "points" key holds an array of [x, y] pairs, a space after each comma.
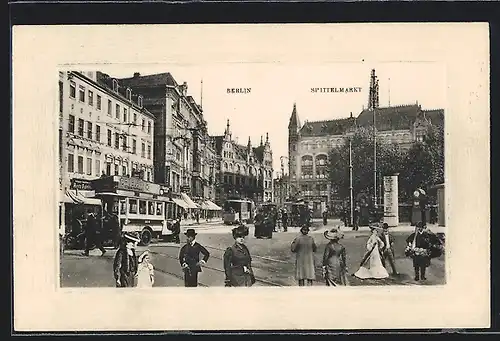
{"points": [[136, 74]]}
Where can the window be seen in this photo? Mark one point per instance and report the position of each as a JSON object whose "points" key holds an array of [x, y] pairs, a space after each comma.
{"points": [[123, 206], [135, 118], [124, 170], [71, 124], [89, 166], [91, 98], [109, 107], [143, 124], [134, 146], [108, 168], [125, 115], [118, 111], [117, 141], [89, 130], [149, 127], [115, 85], [72, 90], [149, 152], [132, 206], [129, 94], [98, 133], [71, 163], [159, 208], [80, 127], [139, 101], [81, 93], [151, 205], [80, 164], [142, 206], [109, 137], [143, 150], [61, 96], [116, 170], [97, 167], [98, 102], [124, 144]]}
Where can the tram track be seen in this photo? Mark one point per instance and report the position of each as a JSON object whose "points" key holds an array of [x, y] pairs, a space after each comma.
{"points": [[258, 279]]}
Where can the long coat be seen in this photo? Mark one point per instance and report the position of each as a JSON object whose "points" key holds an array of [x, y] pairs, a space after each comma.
{"points": [[236, 258], [304, 247]]}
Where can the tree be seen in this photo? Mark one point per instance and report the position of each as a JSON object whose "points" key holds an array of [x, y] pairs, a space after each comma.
{"points": [[390, 160]]}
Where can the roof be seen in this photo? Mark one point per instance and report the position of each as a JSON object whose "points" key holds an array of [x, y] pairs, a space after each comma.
{"points": [[324, 128], [165, 78], [436, 116], [240, 151], [390, 118]]}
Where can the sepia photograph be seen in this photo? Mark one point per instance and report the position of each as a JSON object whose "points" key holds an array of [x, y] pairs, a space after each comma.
{"points": [[214, 164], [340, 185]]}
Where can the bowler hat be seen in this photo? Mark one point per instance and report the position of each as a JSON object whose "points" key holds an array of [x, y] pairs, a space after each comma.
{"points": [[190, 233], [385, 226]]}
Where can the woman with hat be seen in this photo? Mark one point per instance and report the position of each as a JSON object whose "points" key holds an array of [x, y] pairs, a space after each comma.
{"points": [[371, 264], [304, 247], [238, 261], [189, 257], [334, 259], [125, 263]]}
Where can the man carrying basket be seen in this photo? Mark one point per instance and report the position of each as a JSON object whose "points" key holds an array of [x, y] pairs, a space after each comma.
{"points": [[421, 247]]}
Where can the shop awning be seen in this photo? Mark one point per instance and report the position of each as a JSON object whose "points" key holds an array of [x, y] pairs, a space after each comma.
{"points": [[188, 200], [210, 206], [73, 197], [181, 203]]}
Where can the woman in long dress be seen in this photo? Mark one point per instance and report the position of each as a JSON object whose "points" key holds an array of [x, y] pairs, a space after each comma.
{"points": [[238, 261], [371, 265], [334, 259], [145, 271], [304, 247]]}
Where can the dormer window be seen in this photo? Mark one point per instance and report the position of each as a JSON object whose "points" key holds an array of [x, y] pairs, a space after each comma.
{"points": [[139, 101], [115, 85], [129, 94]]}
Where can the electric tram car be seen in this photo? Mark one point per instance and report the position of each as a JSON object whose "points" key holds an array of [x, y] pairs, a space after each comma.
{"points": [[237, 211]]}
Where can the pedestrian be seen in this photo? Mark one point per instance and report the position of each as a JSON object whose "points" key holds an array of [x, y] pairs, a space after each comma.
{"points": [[304, 247], [125, 262], [356, 216], [176, 229], [238, 261], [284, 220], [334, 259], [189, 258], [387, 251], [145, 271], [371, 264], [421, 247], [92, 234], [325, 216]]}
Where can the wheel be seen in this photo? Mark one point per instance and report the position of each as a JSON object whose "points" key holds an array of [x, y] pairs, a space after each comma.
{"points": [[146, 237]]}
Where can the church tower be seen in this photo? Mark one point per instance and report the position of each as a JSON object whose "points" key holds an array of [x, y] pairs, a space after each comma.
{"points": [[293, 146], [373, 95]]}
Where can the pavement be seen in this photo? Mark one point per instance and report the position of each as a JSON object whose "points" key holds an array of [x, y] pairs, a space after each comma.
{"points": [[272, 258]]}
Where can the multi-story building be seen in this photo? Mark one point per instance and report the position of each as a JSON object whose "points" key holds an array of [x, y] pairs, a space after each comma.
{"points": [[310, 143], [183, 158], [245, 171], [103, 129]]}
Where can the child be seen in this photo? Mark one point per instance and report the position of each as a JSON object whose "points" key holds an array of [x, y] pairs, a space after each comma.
{"points": [[145, 271]]}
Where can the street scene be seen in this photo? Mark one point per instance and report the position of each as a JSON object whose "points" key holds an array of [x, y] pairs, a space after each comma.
{"points": [[338, 182]]}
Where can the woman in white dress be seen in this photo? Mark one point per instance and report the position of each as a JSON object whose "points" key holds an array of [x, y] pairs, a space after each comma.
{"points": [[145, 271], [371, 265]]}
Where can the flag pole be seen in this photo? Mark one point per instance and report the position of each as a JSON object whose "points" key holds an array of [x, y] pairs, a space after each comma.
{"points": [[350, 182]]}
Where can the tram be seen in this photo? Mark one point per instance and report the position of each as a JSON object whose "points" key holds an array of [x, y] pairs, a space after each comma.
{"points": [[298, 213], [237, 211], [140, 206]]}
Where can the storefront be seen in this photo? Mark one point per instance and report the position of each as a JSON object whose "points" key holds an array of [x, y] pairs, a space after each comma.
{"points": [[210, 210]]}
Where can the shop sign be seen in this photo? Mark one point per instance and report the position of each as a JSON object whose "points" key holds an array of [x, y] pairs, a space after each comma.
{"points": [[81, 184], [137, 185]]}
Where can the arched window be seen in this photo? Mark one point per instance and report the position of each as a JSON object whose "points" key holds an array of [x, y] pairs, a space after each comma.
{"points": [[225, 166], [321, 160], [307, 160], [238, 168]]}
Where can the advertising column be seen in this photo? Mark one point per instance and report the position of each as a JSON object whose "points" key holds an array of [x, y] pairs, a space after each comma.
{"points": [[391, 208]]}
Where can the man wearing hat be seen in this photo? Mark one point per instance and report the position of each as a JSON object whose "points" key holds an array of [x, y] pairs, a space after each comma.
{"points": [[387, 251], [420, 240], [125, 263], [189, 258]]}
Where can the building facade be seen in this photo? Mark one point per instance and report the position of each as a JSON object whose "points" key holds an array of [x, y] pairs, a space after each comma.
{"points": [[309, 143], [244, 171], [103, 130], [184, 158]]}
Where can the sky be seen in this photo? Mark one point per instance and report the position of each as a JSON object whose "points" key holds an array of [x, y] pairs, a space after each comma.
{"points": [[275, 87]]}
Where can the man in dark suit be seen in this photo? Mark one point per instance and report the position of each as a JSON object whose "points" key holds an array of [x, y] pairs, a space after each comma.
{"points": [[92, 234], [189, 258], [423, 240], [387, 252]]}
